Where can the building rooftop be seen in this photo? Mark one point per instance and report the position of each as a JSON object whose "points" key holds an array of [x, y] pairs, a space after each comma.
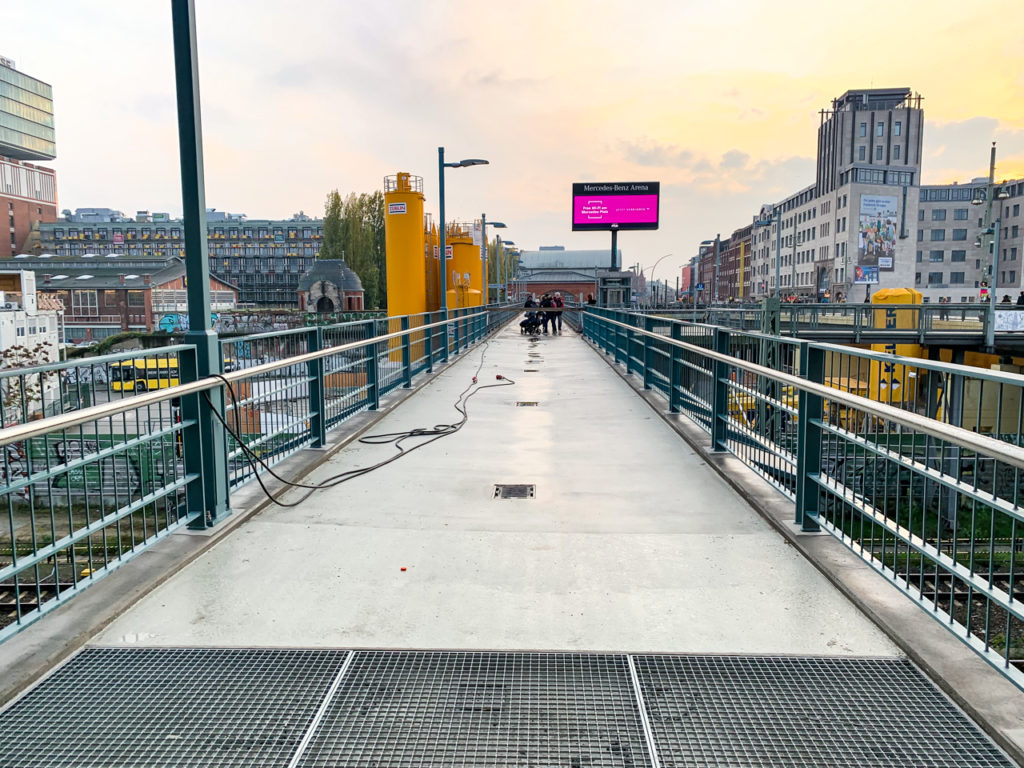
{"points": [[550, 259], [872, 98], [332, 270]]}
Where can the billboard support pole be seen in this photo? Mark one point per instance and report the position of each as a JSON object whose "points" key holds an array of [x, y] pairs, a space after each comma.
{"points": [[615, 249]]}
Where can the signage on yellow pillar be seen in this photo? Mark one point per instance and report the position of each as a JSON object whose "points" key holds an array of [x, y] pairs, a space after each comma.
{"points": [[890, 382]]}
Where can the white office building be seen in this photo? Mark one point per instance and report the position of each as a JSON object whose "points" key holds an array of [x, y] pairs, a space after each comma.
{"points": [[854, 229]]}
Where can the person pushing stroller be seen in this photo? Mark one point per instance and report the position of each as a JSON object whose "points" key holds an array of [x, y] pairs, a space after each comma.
{"points": [[531, 323]]}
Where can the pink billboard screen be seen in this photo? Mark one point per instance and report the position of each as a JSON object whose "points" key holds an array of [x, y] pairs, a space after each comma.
{"points": [[627, 205]]}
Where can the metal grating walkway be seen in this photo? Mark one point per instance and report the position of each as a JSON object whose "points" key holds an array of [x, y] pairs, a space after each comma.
{"points": [[290, 708]]}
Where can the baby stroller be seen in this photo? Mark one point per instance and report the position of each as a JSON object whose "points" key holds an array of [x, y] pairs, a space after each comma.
{"points": [[530, 324]]}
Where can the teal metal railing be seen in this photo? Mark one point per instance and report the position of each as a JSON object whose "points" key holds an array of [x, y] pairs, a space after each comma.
{"points": [[915, 465], [100, 457], [860, 322]]}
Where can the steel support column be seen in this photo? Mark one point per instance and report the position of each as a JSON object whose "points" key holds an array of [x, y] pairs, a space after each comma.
{"points": [[720, 394], [809, 435], [317, 401], [206, 451]]}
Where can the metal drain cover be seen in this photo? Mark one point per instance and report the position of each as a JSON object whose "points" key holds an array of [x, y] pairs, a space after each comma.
{"points": [[414, 709], [531, 370], [515, 491], [319, 708], [525, 403], [802, 712], [170, 706]]}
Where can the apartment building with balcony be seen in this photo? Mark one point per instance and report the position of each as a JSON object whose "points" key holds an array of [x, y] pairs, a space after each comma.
{"points": [[263, 258]]}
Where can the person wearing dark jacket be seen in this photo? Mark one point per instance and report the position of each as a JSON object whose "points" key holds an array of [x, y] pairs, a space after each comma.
{"points": [[547, 317], [1020, 299], [529, 301]]}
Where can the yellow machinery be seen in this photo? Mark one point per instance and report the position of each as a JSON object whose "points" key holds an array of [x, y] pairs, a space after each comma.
{"points": [[404, 244], [463, 275], [888, 382], [432, 265]]}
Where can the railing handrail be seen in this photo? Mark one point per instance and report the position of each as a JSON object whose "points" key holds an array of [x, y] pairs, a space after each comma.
{"points": [[1001, 451], [1001, 377], [64, 421]]}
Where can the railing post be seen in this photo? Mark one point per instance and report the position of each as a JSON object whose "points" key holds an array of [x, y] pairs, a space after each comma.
{"points": [[629, 344], [456, 326], [809, 436], [445, 330], [372, 373], [720, 404], [406, 353], [675, 368], [428, 342], [315, 373], [648, 354]]}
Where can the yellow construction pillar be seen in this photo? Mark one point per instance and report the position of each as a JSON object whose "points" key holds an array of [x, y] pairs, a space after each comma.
{"points": [[404, 245], [888, 382], [464, 267]]}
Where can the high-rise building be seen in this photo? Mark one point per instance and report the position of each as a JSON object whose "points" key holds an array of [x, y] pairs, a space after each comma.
{"points": [[28, 192], [854, 229]]}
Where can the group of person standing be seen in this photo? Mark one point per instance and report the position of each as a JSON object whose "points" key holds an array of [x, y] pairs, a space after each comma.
{"points": [[549, 301]]}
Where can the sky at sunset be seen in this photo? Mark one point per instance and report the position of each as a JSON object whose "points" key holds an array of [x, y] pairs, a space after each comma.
{"points": [[718, 101]]}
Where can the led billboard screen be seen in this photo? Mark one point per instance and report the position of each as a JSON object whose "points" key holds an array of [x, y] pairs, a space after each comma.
{"points": [[620, 205]]}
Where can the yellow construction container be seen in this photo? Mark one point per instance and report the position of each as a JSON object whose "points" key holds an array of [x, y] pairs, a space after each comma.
{"points": [[889, 382], [404, 243], [432, 266], [463, 275]]}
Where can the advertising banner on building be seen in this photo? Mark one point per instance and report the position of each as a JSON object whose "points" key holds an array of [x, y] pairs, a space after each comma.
{"points": [[876, 237]]}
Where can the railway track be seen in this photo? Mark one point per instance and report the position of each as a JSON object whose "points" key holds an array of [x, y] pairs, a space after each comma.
{"points": [[26, 598]]}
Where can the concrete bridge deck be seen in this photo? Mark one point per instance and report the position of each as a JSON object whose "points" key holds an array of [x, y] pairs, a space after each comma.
{"points": [[629, 544]]}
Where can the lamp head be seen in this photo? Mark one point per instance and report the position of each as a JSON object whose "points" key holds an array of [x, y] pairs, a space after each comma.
{"points": [[497, 224], [470, 161], [1003, 194]]}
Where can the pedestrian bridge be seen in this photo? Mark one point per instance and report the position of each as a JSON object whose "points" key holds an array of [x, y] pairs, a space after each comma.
{"points": [[652, 543]]}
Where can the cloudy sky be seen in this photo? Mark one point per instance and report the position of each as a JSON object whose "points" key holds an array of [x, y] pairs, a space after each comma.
{"points": [[716, 100]]}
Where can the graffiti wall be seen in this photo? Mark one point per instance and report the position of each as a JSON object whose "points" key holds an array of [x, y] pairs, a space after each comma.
{"points": [[110, 480]]}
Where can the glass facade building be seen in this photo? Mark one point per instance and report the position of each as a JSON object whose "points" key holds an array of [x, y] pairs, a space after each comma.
{"points": [[26, 116]]}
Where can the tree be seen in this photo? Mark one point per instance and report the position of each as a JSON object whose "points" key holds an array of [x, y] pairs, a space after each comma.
{"points": [[332, 246], [354, 231], [375, 222]]}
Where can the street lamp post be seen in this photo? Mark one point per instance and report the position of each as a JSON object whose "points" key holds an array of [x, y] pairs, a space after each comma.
{"points": [[992, 227], [484, 223], [718, 251], [441, 165], [511, 252], [655, 267]]}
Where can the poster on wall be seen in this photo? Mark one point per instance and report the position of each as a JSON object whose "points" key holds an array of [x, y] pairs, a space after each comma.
{"points": [[876, 237]]}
